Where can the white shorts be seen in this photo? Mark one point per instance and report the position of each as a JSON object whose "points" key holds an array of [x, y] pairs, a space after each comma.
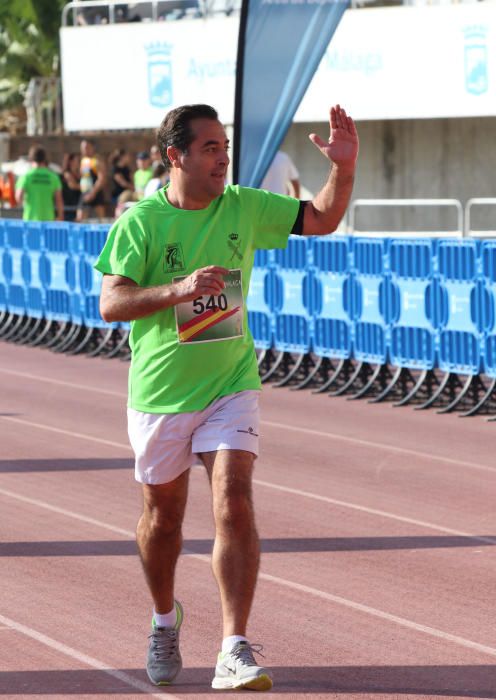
{"points": [[166, 444]]}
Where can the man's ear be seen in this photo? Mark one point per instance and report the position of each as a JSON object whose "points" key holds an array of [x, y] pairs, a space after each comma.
{"points": [[174, 155]]}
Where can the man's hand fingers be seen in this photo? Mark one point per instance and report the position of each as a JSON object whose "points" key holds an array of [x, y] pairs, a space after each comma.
{"points": [[209, 283], [317, 141], [215, 268], [351, 126], [210, 290], [341, 119]]}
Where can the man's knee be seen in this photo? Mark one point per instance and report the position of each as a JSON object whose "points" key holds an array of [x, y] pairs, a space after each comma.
{"points": [[164, 506], [161, 521], [232, 491]]}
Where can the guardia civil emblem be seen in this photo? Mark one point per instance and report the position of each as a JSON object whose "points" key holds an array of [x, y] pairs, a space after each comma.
{"points": [[234, 244]]}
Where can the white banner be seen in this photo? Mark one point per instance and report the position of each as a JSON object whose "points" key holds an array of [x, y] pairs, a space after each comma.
{"points": [[383, 63], [127, 76]]}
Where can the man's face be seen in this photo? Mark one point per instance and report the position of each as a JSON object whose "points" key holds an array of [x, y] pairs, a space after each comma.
{"points": [[204, 164], [87, 149], [143, 163]]}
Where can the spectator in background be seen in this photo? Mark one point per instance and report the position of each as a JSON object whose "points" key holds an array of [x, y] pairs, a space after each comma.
{"points": [[92, 183], [71, 192], [155, 155], [120, 174], [39, 191], [143, 173], [160, 177], [282, 176]]}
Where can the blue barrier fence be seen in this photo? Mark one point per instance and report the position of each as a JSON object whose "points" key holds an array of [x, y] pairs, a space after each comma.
{"points": [[413, 303]]}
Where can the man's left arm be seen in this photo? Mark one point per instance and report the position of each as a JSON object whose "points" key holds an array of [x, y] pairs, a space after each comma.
{"points": [[324, 212]]}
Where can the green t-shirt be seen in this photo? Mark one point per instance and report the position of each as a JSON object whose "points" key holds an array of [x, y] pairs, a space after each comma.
{"points": [[187, 356], [141, 179], [39, 186]]}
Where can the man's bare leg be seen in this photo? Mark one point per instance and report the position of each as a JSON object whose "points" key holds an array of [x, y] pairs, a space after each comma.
{"points": [[236, 552], [159, 537]]}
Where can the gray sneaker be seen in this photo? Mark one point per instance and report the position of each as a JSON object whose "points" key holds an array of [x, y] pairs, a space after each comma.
{"points": [[164, 658], [238, 669]]}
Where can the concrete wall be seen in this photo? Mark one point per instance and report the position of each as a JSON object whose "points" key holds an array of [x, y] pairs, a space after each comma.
{"points": [[442, 158]]}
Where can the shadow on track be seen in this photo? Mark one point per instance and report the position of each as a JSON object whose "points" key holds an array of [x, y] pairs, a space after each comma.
{"points": [[421, 681], [8, 466], [103, 548]]}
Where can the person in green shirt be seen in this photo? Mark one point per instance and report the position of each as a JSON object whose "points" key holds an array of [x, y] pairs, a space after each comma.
{"points": [[143, 174], [177, 265], [39, 191]]}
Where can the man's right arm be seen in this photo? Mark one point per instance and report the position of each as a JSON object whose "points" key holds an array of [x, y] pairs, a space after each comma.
{"points": [[121, 299]]}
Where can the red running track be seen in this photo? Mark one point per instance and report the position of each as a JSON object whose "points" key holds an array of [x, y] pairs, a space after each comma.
{"points": [[377, 526]]}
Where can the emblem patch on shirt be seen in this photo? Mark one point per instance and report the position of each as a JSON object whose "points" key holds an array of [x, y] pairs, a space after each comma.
{"points": [[235, 244], [174, 258]]}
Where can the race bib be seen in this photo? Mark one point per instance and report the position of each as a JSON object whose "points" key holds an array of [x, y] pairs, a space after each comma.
{"points": [[209, 318]]}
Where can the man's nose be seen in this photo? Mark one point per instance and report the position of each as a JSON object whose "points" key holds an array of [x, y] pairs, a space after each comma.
{"points": [[224, 158]]}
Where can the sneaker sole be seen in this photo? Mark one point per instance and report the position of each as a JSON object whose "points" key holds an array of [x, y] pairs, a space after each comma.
{"points": [[261, 683], [163, 682]]}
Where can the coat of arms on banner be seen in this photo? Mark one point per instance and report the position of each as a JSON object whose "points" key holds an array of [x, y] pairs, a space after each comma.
{"points": [[159, 74], [476, 74]]}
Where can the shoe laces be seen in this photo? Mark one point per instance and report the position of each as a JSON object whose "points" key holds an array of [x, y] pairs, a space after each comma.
{"points": [[243, 652], [164, 643]]}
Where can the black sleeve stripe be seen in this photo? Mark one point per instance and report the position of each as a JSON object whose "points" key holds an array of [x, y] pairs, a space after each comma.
{"points": [[297, 229]]}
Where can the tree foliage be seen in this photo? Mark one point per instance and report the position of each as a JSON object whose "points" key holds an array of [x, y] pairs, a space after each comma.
{"points": [[29, 45]]}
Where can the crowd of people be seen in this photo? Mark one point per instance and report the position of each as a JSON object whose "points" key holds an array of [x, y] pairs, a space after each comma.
{"points": [[88, 186]]}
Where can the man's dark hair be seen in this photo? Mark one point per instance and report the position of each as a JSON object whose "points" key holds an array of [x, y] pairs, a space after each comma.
{"points": [[37, 154], [175, 130]]}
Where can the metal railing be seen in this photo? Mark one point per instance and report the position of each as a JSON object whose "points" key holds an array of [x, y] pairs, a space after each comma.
{"points": [[116, 11], [452, 203], [478, 201], [113, 9]]}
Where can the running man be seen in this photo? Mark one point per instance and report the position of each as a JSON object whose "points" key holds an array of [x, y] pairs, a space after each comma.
{"points": [[170, 269]]}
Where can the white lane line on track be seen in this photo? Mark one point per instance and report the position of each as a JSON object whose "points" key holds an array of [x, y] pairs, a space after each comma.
{"points": [[323, 595], [284, 426], [85, 659], [70, 433], [431, 631], [68, 513], [60, 382], [277, 487], [380, 446], [374, 511]]}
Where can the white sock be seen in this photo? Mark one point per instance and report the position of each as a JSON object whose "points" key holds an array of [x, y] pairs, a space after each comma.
{"points": [[229, 642], [166, 620]]}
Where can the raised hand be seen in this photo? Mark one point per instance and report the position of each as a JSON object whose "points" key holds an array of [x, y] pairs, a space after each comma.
{"points": [[342, 147]]}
